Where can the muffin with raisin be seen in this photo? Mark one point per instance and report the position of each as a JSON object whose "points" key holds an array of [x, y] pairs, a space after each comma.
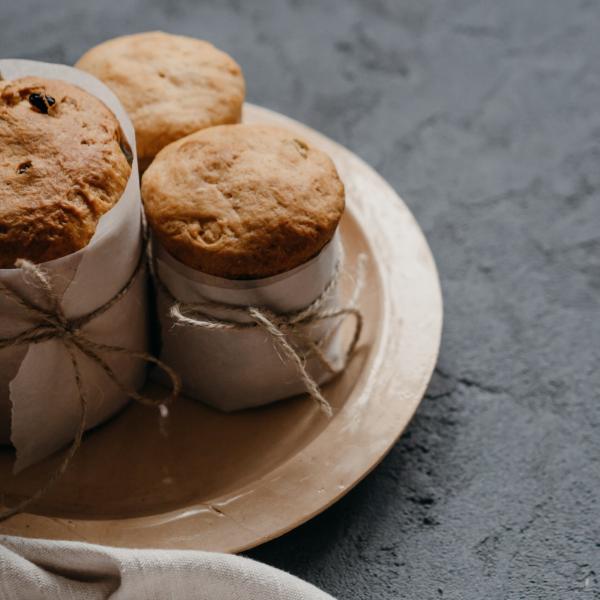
{"points": [[64, 162]]}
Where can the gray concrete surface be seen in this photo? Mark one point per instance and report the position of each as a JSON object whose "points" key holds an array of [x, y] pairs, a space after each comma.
{"points": [[485, 116]]}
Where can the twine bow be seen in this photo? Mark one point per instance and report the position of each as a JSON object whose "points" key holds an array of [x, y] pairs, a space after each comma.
{"points": [[283, 329], [52, 324]]}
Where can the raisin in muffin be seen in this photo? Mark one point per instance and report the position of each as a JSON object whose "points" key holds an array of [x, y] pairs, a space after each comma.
{"points": [[170, 85], [64, 162], [243, 201]]}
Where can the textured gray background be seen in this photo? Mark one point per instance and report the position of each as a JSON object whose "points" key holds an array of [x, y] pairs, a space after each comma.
{"points": [[485, 116]]}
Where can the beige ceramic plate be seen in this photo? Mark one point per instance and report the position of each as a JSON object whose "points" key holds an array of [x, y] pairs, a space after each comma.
{"points": [[230, 482]]}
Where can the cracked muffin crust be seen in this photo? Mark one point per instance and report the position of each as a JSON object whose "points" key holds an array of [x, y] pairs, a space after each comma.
{"points": [[243, 201], [64, 162], [170, 85]]}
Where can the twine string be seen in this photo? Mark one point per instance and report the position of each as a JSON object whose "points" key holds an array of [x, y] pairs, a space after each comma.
{"points": [[283, 329], [52, 324]]}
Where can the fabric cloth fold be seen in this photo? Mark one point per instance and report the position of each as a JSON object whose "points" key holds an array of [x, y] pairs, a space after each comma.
{"points": [[33, 569]]}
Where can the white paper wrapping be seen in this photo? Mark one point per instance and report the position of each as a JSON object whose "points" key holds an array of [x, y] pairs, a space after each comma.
{"points": [[39, 400], [235, 369]]}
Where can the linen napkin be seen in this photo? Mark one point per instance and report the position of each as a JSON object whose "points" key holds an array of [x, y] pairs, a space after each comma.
{"points": [[33, 569]]}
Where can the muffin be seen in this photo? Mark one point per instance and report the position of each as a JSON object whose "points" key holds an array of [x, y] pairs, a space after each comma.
{"points": [[170, 85], [242, 201], [64, 162]]}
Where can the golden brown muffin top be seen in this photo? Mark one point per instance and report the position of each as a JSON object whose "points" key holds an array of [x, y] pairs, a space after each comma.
{"points": [[170, 85], [63, 164], [243, 201]]}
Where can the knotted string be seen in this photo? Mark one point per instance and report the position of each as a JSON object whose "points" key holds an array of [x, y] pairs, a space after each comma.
{"points": [[52, 324], [283, 329]]}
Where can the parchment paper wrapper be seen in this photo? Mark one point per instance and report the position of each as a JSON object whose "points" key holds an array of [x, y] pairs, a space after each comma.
{"points": [[237, 369], [39, 400]]}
